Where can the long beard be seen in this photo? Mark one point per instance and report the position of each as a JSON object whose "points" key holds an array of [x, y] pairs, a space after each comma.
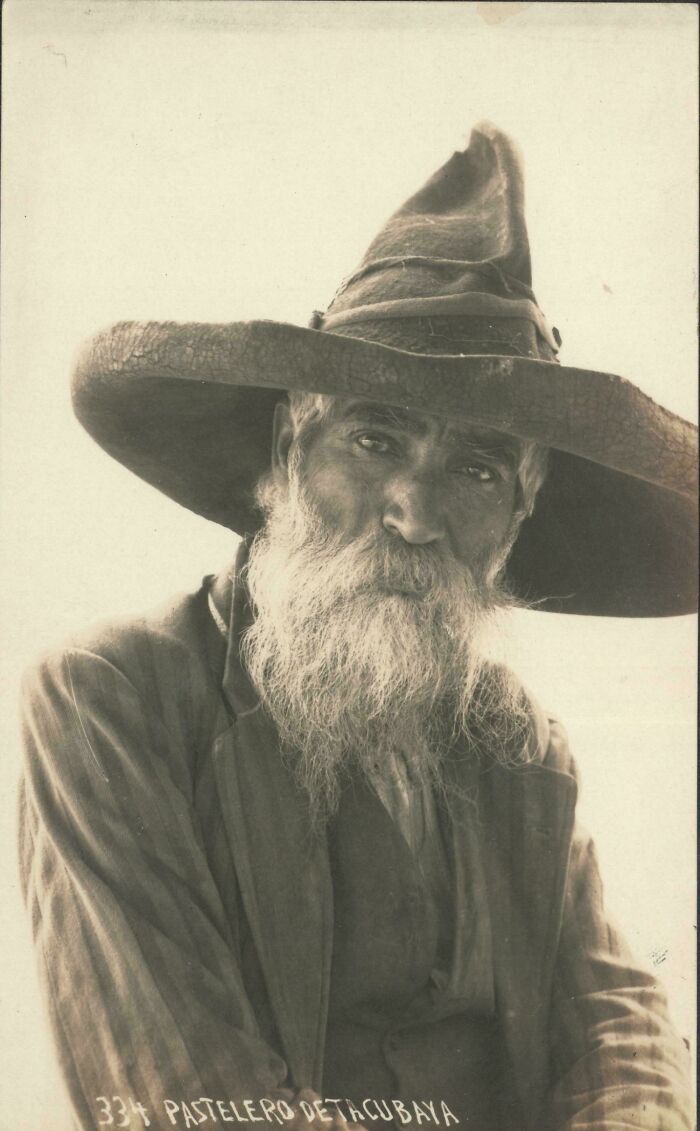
{"points": [[364, 647]]}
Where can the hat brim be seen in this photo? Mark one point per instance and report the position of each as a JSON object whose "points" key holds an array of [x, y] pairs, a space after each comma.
{"points": [[188, 407]]}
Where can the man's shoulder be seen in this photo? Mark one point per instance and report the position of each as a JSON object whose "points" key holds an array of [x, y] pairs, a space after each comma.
{"points": [[170, 643], [548, 742], [526, 737], [131, 696]]}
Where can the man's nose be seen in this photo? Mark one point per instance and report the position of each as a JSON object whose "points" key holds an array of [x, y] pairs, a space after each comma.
{"points": [[412, 509]]}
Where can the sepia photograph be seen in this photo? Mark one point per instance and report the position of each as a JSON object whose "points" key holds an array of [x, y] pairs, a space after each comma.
{"points": [[349, 526]]}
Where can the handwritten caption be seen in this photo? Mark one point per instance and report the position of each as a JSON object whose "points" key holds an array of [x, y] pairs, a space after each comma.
{"points": [[117, 1111]]}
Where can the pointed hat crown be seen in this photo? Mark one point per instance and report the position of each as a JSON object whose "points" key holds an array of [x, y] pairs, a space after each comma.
{"points": [[457, 249]]}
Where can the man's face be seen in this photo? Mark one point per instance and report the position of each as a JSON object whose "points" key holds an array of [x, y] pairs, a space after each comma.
{"points": [[374, 470], [373, 582]]}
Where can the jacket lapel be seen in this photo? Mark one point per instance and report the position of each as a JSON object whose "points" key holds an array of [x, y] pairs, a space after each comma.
{"points": [[285, 884], [527, 820], [283, 871]]}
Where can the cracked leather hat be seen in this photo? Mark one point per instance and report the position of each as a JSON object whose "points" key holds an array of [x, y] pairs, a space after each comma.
{"points": [[439, 317]]}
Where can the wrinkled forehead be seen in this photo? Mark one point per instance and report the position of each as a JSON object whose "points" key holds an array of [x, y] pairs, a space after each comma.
{"points": [[424, 424]]}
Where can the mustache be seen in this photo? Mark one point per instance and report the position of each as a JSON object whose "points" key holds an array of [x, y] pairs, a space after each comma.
{"points": [[395, 565], [381, 564]]}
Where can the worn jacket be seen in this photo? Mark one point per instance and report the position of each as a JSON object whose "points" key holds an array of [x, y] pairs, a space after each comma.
{"points": [[183, 913]]}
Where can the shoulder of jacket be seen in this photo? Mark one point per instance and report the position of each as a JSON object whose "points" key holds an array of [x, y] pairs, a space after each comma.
{"points": [[170, 637], [548, 740]]}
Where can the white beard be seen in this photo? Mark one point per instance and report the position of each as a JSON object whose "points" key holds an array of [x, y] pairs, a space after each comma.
{"points": [[363, 647]]}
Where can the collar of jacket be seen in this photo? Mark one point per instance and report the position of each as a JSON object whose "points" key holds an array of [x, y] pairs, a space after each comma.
{"points": [[525, 820]]}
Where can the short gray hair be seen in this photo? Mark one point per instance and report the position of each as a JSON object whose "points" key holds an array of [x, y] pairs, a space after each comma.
{"points": [[308, 409]]}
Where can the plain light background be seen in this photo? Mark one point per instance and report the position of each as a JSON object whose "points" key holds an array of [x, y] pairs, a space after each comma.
{"points": [[220, 161]]}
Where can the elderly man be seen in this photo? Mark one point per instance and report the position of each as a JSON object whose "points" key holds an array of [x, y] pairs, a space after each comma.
{"points": [[296, 850]]}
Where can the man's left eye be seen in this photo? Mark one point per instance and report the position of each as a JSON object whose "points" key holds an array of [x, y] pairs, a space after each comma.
{"points": [[478, 472], [372, 442]]}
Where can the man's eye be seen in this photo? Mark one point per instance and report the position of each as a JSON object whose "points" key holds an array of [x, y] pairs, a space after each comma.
{"points": [[374, 442], [477, 471]]}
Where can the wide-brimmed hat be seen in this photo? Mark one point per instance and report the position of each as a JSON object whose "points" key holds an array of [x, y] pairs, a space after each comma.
{"points": [[440, 317]]}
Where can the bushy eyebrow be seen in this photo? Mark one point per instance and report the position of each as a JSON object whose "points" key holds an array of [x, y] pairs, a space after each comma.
{"points": [[382, 415], [478, 441]]}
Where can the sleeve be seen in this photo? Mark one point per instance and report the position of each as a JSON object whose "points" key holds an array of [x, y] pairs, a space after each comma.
{"points": [[137, 959], [618, 1063]]}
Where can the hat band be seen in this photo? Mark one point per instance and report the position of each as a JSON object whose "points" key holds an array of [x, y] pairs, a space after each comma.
{"points": [[478, 303]]}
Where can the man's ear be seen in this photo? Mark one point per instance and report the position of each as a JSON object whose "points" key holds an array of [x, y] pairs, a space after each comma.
{"points": [[282, 436]]}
